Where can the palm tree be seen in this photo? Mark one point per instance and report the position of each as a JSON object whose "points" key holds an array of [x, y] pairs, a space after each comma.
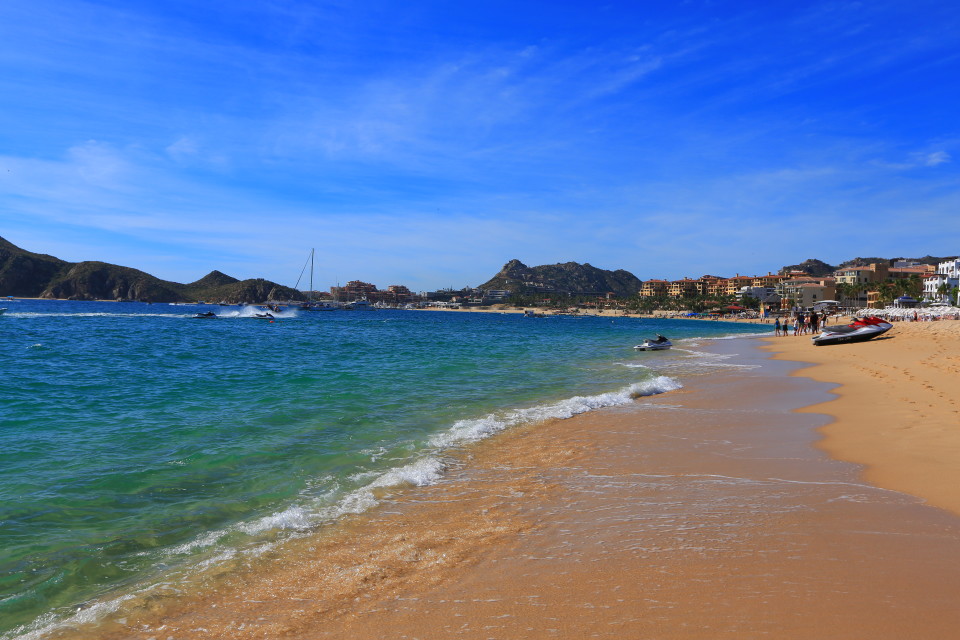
{"points": [[944, 291], [888, 291], [844, 291]]}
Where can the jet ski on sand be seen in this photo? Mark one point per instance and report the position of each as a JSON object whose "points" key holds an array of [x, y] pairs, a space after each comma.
{"points": [[857, 331]]}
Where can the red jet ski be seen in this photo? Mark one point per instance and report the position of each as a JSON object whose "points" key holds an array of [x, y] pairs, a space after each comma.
{"points": [[857, 331]]}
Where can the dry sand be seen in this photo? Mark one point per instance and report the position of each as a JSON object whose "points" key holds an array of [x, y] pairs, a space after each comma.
{"points": [[898, 405], [703, 513]]}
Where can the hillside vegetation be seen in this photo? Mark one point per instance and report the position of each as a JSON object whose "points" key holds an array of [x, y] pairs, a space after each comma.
{"points": [[35, 275]]}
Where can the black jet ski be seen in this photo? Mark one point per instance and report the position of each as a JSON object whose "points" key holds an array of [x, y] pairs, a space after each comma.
{"points": [[205, 315], [263, 316], [654, 344], [857, 331]]}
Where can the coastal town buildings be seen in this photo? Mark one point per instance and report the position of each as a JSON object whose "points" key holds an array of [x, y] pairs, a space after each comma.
{"points": [[937, 286], [870, 274], [761, 287], [806, 292], [358, 290]]}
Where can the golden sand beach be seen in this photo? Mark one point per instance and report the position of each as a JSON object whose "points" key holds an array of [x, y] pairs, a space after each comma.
{"points": [[898, 406], [703, 513]]}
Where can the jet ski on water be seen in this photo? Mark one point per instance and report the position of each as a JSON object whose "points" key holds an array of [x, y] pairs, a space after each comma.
{"points": [[654, 344], [205, 315], [857, 331]]}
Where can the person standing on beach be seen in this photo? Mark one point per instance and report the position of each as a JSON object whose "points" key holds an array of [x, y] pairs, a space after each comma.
{"points": [[814, 322], [776, 327]]}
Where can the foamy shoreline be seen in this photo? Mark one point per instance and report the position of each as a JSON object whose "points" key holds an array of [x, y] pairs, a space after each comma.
{"points": [[692, 514]]}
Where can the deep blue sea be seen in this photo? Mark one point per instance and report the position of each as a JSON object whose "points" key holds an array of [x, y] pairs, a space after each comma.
{"points": [[136, 439]]}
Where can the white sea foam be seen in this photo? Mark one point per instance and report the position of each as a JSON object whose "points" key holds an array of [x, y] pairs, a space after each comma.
{"points": [[317, 511], [466, 431], [427, 469], [35, 314], [631, 365], [735, 336], [249, 311]]}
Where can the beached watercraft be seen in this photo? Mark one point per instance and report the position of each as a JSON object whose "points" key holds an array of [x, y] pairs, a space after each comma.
{"points": [[654, 344], [857, 331]]}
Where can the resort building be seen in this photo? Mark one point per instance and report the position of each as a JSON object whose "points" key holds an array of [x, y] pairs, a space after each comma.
{"points": [[713, 286], [948, 273], [871, 274], [654, 288], [397, 293], [900, 273], [354, 290], [683, 288], [733, 285], [806, 292], [769, 280]]}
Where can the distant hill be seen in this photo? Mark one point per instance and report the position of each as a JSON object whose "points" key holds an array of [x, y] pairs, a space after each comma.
{"points": [[34, 275], [813, 267], [103, 281], [569, 278], [212, 279], [819, 268], [862, 262], [23, 273]]}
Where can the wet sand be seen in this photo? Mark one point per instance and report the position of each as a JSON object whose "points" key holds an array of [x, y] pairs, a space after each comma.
{"points": [[898, 410], [702, 513]]}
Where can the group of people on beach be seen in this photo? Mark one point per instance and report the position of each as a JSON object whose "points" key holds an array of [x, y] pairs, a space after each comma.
{"points": [[802, 323]]}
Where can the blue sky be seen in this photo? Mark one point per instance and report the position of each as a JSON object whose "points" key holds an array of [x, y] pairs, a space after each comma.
{"points": [[427, 143]]}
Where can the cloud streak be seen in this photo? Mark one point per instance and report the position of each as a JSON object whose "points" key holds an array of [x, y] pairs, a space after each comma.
{"points": [[402, 138]]}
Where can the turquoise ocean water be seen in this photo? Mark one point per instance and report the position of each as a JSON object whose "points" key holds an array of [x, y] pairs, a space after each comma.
{"points": [[136, 440]]}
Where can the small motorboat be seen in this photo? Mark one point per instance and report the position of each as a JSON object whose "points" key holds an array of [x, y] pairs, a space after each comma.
{"points": [[205, 315], [654, 344], [857, 331]]}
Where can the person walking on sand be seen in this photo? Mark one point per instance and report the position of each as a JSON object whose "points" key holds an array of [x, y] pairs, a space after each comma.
{"points": [[776, 327]]}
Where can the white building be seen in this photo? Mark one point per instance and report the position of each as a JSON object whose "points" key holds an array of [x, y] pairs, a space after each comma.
{"points": [[947, 273]]}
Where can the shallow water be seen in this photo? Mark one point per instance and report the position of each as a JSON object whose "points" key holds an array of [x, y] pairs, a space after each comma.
{"points": [[137, 439]]}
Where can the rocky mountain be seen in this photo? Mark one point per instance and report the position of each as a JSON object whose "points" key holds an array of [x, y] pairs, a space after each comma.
{"points": [[35, 275], [569, 278]]}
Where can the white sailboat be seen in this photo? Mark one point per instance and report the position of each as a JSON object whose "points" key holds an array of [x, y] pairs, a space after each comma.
{"points": [[310, 304]]}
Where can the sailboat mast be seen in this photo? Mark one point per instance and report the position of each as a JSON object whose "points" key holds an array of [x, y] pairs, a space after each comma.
{"points": [[311, 274]]}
